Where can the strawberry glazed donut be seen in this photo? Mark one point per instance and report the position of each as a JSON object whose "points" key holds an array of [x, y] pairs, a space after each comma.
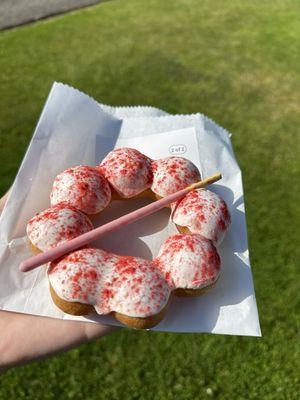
{"points": [[56, 225], [83, 187], [190, 263], [128, 171], [133, 290], [204, 212], [171, 174]]}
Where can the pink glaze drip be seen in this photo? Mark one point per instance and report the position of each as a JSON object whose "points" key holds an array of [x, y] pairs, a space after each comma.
{"points": [[203, 212], [128, 285], [56, 225], [171, 174], [189, 261], [83, 187], [128, 171]]}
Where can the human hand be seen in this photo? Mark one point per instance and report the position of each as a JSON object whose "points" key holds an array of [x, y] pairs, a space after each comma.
{"points": [[25, 338]]}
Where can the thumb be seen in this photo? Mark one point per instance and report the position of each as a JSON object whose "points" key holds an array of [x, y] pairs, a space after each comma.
{"points": [[3, 200]]}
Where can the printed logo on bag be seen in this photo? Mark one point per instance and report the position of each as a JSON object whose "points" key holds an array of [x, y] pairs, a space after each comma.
{"points": [[177, 149]]}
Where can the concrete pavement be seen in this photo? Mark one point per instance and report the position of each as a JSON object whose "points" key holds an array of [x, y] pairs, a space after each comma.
{"points": [[19, 12]]}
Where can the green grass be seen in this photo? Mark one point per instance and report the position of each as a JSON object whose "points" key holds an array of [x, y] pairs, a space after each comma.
{"points": [[236, 61]]}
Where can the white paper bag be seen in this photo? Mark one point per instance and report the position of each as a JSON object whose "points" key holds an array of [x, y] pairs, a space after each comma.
{"points": [[74, 129]]}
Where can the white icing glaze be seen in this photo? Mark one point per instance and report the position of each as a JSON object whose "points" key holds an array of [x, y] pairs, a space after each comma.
{"points": [[128, 285], [128, 171], [203, 212], [188, 261], [83, 187], [171, 174], [57, 224]]}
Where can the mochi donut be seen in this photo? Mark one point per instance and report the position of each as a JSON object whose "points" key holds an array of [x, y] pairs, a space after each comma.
{"points": [[171, 174], [190, 263], [130, 288], [128, 171], [83, 187], [133, 290], [56, 225], [204, 212]]}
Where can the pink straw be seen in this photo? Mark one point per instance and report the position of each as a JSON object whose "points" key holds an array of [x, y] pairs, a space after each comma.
{"points": [[82, 240]]}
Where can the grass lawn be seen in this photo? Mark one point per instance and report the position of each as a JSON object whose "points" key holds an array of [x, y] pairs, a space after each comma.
{"points": [[237, 62]]}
